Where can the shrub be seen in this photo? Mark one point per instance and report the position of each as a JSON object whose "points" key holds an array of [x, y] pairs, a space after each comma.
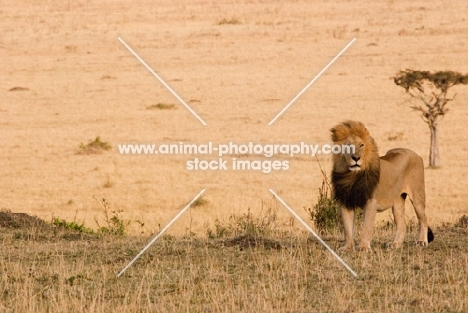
{"points": [[61, 223], [115, 225], [326, 214]]}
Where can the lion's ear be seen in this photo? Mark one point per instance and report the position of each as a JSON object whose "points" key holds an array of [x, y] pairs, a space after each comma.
{"points": [[366, 130], [333, 136]]}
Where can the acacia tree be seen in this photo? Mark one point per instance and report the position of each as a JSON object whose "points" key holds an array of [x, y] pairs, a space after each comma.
{"points": [[431, 88]]}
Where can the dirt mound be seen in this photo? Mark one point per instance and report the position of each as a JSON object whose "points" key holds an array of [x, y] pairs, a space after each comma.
{"points": [[247, 241], [19, 220]]}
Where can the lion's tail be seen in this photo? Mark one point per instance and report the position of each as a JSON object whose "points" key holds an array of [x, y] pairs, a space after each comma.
{"points": [[430, 235]]}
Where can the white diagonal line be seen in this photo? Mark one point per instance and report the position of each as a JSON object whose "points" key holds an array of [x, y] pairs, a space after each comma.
{"points": [[161, 232], [313, 233], [162, 81], [312, 81]]}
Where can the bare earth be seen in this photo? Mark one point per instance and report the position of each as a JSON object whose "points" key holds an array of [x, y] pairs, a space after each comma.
{"points": [[237, 64]]}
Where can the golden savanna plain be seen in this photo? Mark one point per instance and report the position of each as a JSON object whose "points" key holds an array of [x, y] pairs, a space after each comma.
{"points": [[66, 79], [237, 64]]}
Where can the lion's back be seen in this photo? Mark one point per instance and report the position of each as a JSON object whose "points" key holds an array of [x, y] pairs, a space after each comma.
{"points": [[402, 170], [402, 157]]}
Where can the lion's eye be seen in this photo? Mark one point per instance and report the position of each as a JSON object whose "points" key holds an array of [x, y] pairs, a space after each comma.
{"points": [[361, 146]]}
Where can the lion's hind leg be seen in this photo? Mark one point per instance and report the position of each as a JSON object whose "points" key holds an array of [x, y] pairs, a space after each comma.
{"points": [[400, 221], [425, 233], [417, 195]]}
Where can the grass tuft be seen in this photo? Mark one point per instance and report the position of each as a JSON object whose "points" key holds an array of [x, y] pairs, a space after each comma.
{"points": [[247, 224], [232, 21], [199, 202], [96, 146], [161, 106]]}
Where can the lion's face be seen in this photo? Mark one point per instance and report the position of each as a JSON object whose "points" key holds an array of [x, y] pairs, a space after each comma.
{"points": [[362, 150], [353, 153]]}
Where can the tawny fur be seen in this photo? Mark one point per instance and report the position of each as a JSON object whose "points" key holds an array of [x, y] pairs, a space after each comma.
{"points": [[364, 180]]}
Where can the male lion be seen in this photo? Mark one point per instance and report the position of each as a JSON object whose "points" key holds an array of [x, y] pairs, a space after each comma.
{"points": [[361, 178]]}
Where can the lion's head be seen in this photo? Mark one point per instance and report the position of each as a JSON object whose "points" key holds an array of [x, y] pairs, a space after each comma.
{"points": [[356, 172]]}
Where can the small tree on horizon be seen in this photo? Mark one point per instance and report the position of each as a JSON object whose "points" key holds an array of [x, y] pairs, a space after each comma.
{"points": [[431, 88]]}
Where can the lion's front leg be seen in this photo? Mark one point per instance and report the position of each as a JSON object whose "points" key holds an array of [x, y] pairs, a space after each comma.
{"points": [[348, 225], [398, 210], [370, 212]]}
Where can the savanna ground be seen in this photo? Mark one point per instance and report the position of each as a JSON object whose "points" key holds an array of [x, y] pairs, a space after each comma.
{"points": [[65, 79], [50, 269]]}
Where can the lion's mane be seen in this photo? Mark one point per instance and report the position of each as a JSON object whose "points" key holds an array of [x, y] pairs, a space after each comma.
{"points": [[354, 188]]}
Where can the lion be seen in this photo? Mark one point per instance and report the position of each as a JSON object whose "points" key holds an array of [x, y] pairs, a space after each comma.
{"points": [[362, 179]]}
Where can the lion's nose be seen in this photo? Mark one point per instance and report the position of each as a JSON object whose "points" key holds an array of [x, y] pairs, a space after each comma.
{"points": [[355, 158]]}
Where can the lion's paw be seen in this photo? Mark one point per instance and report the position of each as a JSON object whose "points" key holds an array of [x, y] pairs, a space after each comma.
{"points": [[421, 243], [394, 245], [364, 245], [364, 249], [346, 248]]}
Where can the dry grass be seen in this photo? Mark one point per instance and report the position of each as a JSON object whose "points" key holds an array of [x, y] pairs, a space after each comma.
{"points": [[83, 82], [46, 269]]}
